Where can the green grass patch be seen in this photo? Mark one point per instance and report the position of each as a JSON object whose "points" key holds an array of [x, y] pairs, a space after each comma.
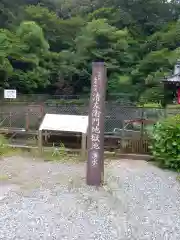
{"points": [[175, 106], [6, 150], [50, 156], [10, 151], [67, 102], [178, 178], [150, 105], [4, 178], [58, 153], [158, 105]]}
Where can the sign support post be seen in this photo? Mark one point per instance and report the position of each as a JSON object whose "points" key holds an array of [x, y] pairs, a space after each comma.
{"points": [[95, 163]]}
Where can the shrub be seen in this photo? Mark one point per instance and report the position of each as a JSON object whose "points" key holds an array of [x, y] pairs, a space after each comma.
{"points": [[165, 142], [59, 151]]}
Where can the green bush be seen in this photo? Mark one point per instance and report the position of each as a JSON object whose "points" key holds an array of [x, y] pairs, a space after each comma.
{"points": [[165, 143]]}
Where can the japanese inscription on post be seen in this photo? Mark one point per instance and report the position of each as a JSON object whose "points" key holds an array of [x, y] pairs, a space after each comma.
{"points": [[96, 125]]}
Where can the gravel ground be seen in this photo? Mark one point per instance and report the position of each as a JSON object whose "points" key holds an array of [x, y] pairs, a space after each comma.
{"points": [[45, 200]]}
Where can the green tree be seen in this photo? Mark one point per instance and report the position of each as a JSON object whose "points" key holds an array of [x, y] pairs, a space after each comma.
{"points": [[58, 32], [101, 41], [49, 45], [20, 54]]}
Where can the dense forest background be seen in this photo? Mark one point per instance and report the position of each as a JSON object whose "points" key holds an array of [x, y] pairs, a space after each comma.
{"points": [[47, 46]]}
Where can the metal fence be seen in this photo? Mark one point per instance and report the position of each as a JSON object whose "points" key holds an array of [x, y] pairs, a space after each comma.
{"points": [[129, 124], [39, 98], [121, 98], [20, 116], [117, 117]]}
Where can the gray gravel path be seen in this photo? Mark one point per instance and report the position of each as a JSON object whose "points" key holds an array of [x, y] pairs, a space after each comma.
{"points": [[41, 200]]}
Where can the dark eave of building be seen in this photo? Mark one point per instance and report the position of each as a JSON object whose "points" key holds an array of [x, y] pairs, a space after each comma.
{"points": [[172, 79]]}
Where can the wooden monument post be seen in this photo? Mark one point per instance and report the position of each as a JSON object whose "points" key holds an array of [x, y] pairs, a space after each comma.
{"points": [[95, 163]]}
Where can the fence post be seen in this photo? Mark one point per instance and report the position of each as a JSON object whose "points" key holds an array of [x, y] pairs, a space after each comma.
{"points": [[27, 121], [10, 120], [123, 142], [142, 122], [165, 112], [42, 109]]}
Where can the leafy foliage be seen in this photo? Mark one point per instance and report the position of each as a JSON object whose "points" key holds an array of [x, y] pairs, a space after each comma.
{"points": [[166, 142], [48, 46]]}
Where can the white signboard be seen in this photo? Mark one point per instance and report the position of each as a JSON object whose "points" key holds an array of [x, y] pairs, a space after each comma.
{"points": [[10, 93]]}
